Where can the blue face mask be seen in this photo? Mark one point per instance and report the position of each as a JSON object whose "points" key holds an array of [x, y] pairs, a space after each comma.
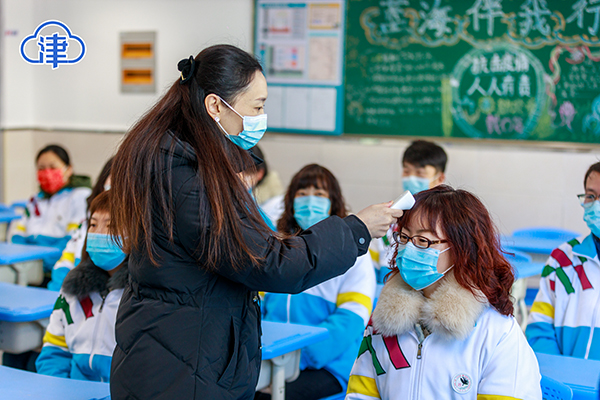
{"points": [[418, 267], [103, 251], [591, 216], [254, 128], [414, 184], [308, 210]]}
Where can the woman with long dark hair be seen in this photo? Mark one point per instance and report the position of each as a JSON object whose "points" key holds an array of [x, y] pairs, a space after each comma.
{"points": [[443, 326], [189, 322]]}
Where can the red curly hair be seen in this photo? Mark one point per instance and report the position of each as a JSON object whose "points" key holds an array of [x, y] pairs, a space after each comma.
{"points": [[479, 264]]}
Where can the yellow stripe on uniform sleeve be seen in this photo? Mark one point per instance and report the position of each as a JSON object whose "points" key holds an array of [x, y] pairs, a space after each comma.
{"points": [[55, 340], [68, 256], [494, 397], [543, 308], [374, 255], [73, 226], [363, 385], [356, 298]]}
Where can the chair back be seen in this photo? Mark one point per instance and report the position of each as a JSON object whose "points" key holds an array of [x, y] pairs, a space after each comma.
{"points": [[546, 232], [554, 390]]}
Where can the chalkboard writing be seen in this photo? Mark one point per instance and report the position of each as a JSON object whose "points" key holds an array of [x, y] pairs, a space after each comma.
{"points": [[499, 69]]}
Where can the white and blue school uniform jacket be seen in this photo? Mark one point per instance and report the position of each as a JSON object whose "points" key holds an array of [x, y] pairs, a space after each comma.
{"points": [[565, 316], [69, 259], [449, 346], [52, 221], [80, 338], [342, 305]]}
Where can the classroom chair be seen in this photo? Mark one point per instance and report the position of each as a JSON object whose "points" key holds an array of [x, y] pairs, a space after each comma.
{"points": [[546, 232], [519, 288], [554, 390]]}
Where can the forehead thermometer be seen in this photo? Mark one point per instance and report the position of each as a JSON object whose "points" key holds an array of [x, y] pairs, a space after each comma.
{"points": [[404, 202]]}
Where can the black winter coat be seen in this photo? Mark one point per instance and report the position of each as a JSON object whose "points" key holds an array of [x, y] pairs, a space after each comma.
{"points": [[185, 333]]}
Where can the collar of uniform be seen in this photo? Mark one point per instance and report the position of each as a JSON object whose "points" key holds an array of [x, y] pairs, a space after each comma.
{"points": [[586, 248], [87, 278], [451, 311]]}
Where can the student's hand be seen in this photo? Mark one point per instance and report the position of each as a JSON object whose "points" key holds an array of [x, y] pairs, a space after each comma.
{"points": [[378, 218]]}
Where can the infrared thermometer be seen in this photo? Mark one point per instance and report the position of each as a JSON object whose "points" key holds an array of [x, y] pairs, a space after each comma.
{"points": [[404, 202]]}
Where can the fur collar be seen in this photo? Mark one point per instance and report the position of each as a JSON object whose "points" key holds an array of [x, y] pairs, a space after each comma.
{"points": [[452, 310], [87, 278]]}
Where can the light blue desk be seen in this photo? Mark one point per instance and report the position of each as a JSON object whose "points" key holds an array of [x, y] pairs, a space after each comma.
{"points": [[7, 215], [16, 384], [538, 247], [580, 375], [24, 313], [19, 204], [525, 270], [281, 345], [26, 261]]}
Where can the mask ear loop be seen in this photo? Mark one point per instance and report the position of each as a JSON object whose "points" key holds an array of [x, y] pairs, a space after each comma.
{"points": [[218, 121], [231, 108], [450, 267]]}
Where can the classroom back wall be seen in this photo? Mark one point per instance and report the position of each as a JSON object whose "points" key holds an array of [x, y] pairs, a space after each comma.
{"points": [[81, 107]]}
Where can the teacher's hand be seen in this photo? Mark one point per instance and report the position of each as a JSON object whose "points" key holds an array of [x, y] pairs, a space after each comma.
{"points": [[378, 218]]}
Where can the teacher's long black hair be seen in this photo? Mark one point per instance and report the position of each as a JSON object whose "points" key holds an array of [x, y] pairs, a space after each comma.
{"points": [[140, 178]]}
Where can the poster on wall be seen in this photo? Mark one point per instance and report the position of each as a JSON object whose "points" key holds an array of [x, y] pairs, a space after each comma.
{"points": [[300, 45], [485, 69]]}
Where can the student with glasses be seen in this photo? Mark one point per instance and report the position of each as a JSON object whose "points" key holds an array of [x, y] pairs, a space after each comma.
{"points": [[563, 316], [443, 326]]}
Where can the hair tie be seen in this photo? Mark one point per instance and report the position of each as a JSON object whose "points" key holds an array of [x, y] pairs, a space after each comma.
{"points": [[187, 66]]}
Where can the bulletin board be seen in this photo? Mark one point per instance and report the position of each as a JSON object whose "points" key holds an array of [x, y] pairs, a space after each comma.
{"points": [[300, 45], [485, 69]]}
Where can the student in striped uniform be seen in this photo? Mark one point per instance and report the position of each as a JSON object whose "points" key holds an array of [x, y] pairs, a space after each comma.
{"points": [[71, 255], [342, 304], [564, 317], [80, 337], [443, 326], [54, 214]]}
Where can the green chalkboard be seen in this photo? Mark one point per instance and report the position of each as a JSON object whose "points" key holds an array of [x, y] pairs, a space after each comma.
{"points": [[490, 69]]}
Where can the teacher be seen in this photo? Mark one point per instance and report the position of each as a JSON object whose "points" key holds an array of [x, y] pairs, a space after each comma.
{"points": [[188, 326]]}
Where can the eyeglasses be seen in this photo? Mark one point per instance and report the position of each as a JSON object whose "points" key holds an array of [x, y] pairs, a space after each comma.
{"points": [[419, 241], [587, 199]]}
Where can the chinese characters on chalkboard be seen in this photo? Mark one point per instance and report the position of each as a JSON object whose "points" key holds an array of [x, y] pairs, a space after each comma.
{"points": [[519, 69]]}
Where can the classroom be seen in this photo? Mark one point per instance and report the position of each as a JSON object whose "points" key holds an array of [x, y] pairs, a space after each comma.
{"points": [[351, 85]]}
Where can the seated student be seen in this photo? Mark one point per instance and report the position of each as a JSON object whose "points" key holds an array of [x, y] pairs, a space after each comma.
{"points": [[443, 326], [342, 304], [71, 255], [563, 316], [267, 184], [80, 337], [267, 189], [423, 166], [54, 214]]}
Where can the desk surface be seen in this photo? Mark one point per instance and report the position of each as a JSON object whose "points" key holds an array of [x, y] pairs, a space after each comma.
{"points": [[24, 303], [525, 270], [531, 245], [17, 384], [8, 215], [13, 253], [279, 338], [580, 375]]}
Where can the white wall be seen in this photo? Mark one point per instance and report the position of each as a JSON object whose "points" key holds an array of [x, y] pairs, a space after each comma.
{"points": [[80, 106]]}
